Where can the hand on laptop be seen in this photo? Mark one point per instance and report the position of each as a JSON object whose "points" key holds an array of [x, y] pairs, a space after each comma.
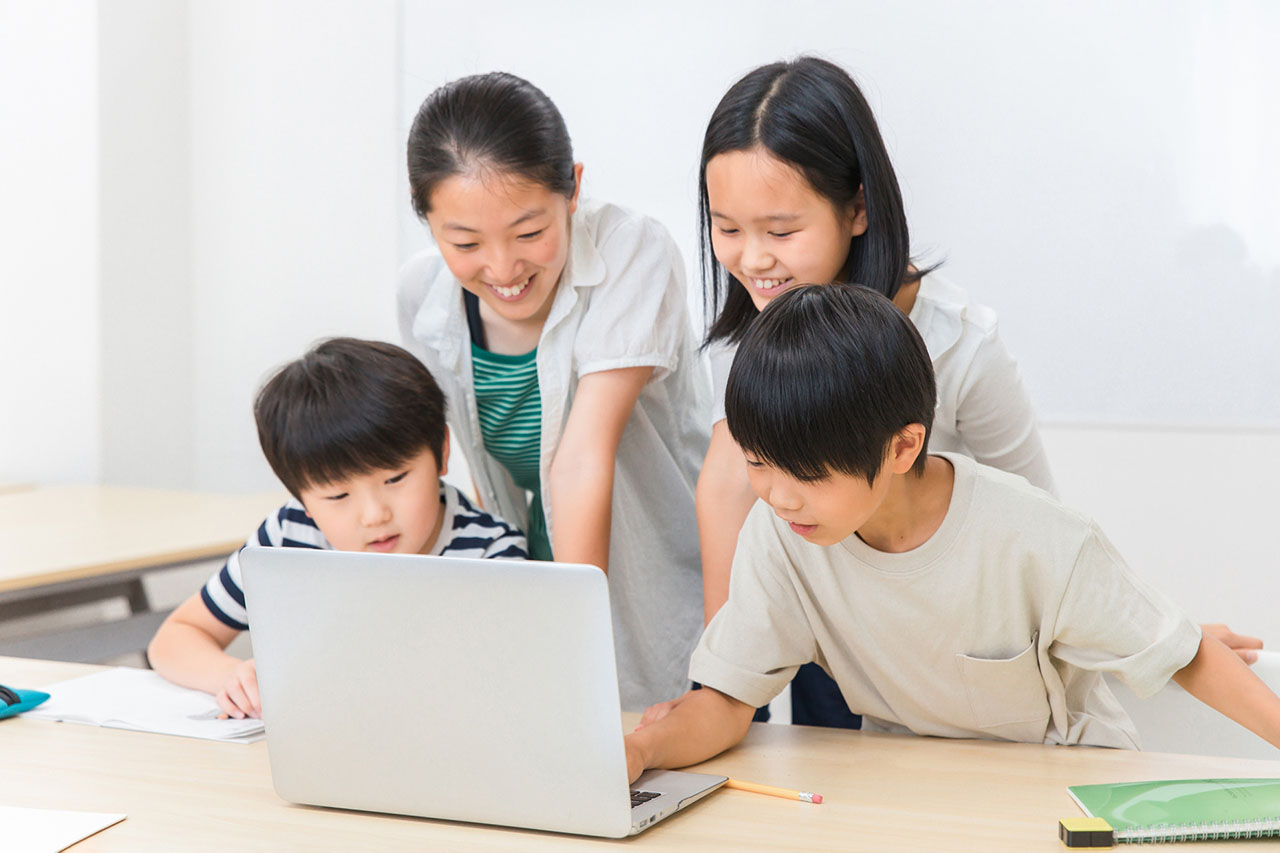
{"points": [[636, 763], [1245, 647], [238, 697]]}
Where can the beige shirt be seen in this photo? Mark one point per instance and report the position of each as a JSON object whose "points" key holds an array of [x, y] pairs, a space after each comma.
{"points": [[999, 626]]}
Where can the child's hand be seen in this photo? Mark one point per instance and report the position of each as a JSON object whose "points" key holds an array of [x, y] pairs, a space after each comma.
{"points": [[1245, 647], [635, 761], [656, 712], [238, 697]]}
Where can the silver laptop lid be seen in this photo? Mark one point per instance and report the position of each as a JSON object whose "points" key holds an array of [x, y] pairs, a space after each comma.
{"points": [[474, 690]]}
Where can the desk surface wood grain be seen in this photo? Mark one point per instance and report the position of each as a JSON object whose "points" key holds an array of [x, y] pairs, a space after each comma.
{"points": [[882, 792], [65, 533]]}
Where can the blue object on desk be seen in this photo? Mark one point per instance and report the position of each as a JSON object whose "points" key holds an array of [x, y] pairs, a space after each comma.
{"points": [[13, 702]]}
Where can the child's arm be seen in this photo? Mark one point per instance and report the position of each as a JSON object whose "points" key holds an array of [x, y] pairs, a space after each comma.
{"points": [[724, 499], [581, 477], [188, 650], [706, 722], [1221, 680]]}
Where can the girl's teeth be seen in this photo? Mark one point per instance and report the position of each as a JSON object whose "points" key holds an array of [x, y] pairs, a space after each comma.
{"points": [[769, 283]]}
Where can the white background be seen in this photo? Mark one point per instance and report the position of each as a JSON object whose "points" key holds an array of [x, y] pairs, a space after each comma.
{"points": [[1103, 174], [192, 192], [195, 191]]}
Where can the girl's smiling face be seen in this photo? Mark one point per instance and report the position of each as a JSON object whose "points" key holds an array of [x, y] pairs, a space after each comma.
{"points": [[770, 229], [505, 238]]}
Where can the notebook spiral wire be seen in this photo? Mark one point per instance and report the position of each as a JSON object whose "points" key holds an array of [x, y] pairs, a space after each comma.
{"points": [[1208, 831]]}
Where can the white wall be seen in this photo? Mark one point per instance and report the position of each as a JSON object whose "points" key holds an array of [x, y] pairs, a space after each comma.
{"points": [[200, 189], [49, 302], [295, 157], [195, 191], [1100, 173], [144, 361], [1192, 511]]}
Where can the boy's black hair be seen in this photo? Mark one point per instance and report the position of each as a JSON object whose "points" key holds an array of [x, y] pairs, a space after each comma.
{"points": [[494, 121], [810, 114], [825, 378], [348, 407]]}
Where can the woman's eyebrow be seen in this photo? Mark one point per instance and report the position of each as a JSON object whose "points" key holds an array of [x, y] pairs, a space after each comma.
{"points": [[519, 220], [526, 216]]}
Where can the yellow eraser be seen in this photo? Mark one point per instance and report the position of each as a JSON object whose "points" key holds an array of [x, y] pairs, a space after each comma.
{"points": [[1086, 832]]}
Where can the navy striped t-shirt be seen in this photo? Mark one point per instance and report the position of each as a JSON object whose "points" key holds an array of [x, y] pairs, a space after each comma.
{"points": [[465, 531]]}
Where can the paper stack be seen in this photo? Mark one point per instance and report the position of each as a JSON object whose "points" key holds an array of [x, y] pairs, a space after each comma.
{"points": [[139, 699]]}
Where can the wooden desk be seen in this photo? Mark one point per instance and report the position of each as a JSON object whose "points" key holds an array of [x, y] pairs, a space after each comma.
{"points": [[65, 545], [883, 792]]}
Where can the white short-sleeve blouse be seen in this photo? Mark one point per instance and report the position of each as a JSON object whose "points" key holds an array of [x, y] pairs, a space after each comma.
{"points": [[620, 303], [983, 409]]}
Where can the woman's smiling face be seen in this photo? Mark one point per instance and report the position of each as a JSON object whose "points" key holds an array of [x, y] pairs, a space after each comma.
{"points": [[770, 229], [505, 238]]}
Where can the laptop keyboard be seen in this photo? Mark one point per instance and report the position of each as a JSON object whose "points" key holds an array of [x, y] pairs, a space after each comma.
{"points": [[639, 798]]}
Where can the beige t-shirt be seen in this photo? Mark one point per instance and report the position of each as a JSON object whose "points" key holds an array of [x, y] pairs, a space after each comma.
{"points": [[999, 626]]}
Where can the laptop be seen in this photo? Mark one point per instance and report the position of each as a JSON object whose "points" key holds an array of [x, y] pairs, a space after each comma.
{"points": [[460, 689]]}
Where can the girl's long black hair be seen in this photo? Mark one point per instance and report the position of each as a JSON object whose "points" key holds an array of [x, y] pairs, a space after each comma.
{"points": [[810, 114]]}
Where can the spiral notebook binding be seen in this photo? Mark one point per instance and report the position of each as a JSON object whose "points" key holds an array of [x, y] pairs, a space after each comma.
{"points": [[1209, 831]]}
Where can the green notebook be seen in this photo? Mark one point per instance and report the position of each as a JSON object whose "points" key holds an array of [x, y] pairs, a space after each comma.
{"points": [[1184, 809]]}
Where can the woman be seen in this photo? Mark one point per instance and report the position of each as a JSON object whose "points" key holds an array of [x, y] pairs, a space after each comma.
{"points": [[558, 329]]}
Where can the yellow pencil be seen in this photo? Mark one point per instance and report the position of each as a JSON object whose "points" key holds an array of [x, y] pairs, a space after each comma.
{"points": [[786, 793]]}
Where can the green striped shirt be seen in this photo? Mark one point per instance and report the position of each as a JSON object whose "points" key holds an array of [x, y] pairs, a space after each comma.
{"points": [[510, 411]]}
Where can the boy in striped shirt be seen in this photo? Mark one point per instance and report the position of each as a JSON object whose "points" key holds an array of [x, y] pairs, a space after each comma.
{"points": [[355, 430]]}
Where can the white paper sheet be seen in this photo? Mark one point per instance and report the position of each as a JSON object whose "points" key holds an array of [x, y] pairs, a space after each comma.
{"points": [[49, 830], [141, 700]]}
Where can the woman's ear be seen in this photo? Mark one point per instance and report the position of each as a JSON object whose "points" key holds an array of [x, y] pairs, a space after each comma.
{"points": [[857, 214], [577, 187]]}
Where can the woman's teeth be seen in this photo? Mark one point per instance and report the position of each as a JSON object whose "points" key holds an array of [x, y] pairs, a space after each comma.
{"points": [[513, 290]]}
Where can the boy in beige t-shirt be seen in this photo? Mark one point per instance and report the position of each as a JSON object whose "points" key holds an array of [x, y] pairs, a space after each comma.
{"points": [[944, 597]]}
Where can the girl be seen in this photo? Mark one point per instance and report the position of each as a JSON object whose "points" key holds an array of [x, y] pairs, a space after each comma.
{"points": [[796, 187], [559, 332]]}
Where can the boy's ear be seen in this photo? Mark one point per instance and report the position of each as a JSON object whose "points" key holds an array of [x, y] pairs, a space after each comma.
{"points": [[444, 453], [905, 448]]}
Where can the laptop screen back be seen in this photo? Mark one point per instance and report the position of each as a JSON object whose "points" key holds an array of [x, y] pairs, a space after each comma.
{"points": [[473, 690]]}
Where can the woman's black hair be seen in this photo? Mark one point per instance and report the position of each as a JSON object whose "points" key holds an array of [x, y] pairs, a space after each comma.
{"points": [[825, 379], [495, 121], [810, 114]]}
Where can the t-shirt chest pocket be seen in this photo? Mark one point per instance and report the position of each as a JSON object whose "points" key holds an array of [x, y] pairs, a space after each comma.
{"points": [[1007, 696]]}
